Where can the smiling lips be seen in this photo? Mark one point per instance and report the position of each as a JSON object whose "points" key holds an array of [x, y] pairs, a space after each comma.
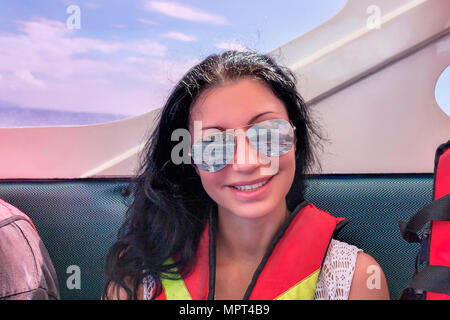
{"points": [[251, 187], [249, 183], [251, 191]]}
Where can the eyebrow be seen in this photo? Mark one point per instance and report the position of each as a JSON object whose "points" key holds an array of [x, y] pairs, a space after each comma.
{"points": [[251, 120]]}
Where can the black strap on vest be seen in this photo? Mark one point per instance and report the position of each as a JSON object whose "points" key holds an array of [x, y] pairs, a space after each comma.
{"points": [[341, 224], [437, 210], [432, 278]]}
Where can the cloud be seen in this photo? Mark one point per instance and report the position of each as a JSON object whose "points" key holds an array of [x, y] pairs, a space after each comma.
{"points": [[92, 5], [231, 46], [28, 77], [184, 12], [150, 22], [46, 65], [147, 47], [179, 36]]}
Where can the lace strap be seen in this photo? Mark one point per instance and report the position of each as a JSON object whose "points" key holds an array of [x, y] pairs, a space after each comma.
{"points": [[336, 276], [148, 287]]}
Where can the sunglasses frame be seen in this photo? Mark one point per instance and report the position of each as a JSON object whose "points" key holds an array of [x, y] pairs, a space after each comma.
{"points": [[232, 131]]}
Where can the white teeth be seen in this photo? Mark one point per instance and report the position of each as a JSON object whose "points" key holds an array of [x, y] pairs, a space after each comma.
{"points": [[251, 187]]}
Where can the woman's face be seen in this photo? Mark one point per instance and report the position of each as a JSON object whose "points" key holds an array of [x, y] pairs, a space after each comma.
{"points": [[232, 106]]}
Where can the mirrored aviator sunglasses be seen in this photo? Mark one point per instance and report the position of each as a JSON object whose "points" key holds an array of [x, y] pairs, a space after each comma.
{"points": [[213, 152]]}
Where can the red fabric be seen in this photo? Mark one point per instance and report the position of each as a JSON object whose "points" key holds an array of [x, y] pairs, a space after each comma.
{"points": [[437, 296], [197, 282], [440, 232], [8, 211], [442, 186], [440, 243], [439, 252], [298, 254]]}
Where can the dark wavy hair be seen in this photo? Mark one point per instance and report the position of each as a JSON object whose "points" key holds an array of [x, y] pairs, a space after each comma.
{"points": [[170, 208]]}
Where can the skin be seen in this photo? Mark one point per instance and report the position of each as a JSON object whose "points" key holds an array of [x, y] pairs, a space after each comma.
{"points": [[246, 227]]}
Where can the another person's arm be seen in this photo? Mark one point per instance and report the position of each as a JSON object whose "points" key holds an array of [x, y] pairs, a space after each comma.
{"points": [[26, 270]]}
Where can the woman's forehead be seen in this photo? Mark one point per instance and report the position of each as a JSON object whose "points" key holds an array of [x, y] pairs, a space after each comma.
{"points": [[235, 104]]}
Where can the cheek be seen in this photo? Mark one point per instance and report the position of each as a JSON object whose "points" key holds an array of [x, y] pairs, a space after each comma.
{"points": [[212, 183], [285, 163], [291, 161], [286, 174]]}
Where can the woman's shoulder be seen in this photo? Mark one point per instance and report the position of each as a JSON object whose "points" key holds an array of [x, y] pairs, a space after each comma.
{"points": [[349, 273], [340, 248], [369, 281]]}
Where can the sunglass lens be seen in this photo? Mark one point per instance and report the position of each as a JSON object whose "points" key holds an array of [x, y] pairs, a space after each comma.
{"points": [[213, 152], [272, 137]]}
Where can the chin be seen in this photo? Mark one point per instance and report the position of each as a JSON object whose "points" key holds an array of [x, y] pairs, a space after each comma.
{"points": [[251, 210]]}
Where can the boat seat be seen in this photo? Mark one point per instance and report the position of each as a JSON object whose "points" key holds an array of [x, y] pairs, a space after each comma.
{"points": [[78, 220]]}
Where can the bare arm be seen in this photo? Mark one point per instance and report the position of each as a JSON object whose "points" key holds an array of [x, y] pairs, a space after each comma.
{"points": [[369, 281]]}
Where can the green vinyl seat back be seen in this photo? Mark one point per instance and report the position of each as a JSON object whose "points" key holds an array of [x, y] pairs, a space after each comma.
{"points": [[374, 204], [78, 220]]}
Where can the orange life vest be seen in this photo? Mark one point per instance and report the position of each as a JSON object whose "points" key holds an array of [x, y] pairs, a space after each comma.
{"points": [[289, 270], [433, 281]]}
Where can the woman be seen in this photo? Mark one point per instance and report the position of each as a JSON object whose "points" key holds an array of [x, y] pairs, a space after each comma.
{"points": [[234, 224]]}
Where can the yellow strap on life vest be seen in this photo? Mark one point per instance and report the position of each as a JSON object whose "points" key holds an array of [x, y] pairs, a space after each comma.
{"points": [[304, 290], [175, 289]]}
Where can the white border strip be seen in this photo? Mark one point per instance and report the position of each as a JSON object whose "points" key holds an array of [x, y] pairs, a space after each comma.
{"points": [[114, 161]]}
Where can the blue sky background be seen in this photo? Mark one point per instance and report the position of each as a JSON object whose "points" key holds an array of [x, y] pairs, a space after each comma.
{"points": [[263, 25], [128, 54], [442, 91]]}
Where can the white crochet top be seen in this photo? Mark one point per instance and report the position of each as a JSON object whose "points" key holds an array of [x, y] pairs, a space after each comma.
{"points": [[336, 275], [334, 280]]}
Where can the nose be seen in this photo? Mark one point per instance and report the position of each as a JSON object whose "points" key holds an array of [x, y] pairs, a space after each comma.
{"points": [[246, 157]]}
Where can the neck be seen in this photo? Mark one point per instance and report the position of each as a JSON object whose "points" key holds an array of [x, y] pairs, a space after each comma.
{"points": [[247, 239]]}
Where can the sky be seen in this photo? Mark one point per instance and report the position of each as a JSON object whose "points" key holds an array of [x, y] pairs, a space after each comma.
{"points": [[124, 56], [442, 91]]}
